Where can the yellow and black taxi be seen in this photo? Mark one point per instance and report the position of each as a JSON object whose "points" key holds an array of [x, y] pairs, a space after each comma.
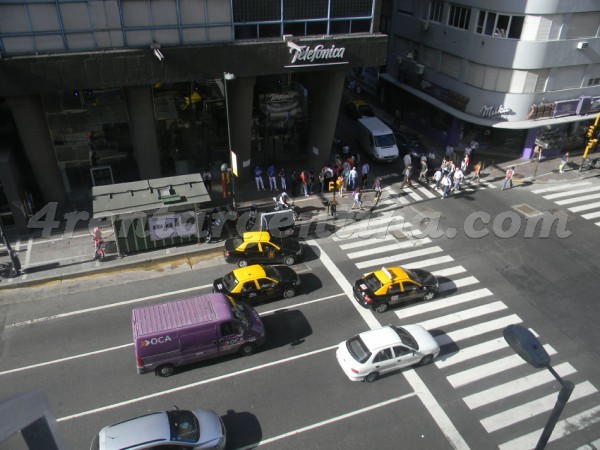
{"points": [[382, 288], [261, 247], [257, 282], [357, 109]]}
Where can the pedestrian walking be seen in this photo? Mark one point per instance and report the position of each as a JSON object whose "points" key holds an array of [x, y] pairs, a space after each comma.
{"points": [[407, 160], [424, 169], [445, 167], [311, 181], [260, 185], [535, 154], [377, 188], [282, 180], [271, 172], [457, 177], [476, 171], [468, 150], [563, 162], [446, 184], [508, 177], [437, 177], [303, 183], [365, 174], [352, 179], [341, 185], [357, 196], [407, 174], [207, 178], [464, 165]]}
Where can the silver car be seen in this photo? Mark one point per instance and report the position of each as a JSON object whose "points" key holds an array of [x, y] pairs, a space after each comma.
{"points": [[197, 429]]}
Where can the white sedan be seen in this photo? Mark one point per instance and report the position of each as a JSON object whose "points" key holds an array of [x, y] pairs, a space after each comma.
{"points": [[375, 352]]}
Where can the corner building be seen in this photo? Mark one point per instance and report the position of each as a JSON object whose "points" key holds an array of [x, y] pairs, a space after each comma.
{"points": [[94, 92], [509, 74]]}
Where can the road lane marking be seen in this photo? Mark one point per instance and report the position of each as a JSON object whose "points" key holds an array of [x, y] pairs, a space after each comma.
{"points": [[435, 305], [328, 421], [516, 386], [425, 396], [193, 385], [563, 428], [527, 410], [68, 358], [99, 308], [490, 369]]}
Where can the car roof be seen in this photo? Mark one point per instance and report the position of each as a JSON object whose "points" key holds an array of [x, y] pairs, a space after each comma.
{"points": [[249, 273], [140, 430], [256, 236], [380, 337], [392, 274]]}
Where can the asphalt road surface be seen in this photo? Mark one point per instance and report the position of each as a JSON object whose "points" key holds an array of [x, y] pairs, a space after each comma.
{"points": [[74, 341]]}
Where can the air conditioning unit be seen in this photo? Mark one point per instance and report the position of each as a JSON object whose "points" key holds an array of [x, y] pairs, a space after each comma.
{"points": [[419, 69], [582, 45], [424, 25]]}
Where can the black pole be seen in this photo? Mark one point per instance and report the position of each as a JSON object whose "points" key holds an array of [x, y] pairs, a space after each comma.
{"points": [[561, 402]]}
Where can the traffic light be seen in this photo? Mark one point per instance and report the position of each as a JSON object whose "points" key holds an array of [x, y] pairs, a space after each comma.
{"points": [[590, 131]]}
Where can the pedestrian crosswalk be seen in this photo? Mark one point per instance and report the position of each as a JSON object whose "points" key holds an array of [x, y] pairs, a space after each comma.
{"points": [[580, 197], [509, 398], [394, 196]]}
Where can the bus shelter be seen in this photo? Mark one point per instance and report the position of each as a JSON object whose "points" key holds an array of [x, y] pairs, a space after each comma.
{"points": [[152, 214]]}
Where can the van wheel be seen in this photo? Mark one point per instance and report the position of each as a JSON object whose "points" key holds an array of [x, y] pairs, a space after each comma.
{"points": [[247, 349], [426, 360], [165, 371], [373, 376], [242, 263], [289, 293], [289, 260], [381, 308]]}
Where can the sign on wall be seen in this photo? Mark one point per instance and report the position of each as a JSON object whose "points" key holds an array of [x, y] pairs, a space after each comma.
{"points": [[177, 224]]}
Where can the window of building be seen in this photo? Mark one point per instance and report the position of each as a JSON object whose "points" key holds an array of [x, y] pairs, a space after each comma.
{"points": [[583, 25], [435, 11], [459, 17], [500, 25], [594, 82]]}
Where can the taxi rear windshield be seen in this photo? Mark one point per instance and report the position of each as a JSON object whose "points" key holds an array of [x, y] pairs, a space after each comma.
{"points": [[358, 349], [372, 282]]}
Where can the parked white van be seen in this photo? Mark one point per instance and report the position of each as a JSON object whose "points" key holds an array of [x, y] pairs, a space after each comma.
{"points": [[377, 139]]}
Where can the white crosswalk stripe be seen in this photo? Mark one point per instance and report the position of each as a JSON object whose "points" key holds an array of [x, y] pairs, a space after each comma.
{"points": [[467, 321], [580, 195]]}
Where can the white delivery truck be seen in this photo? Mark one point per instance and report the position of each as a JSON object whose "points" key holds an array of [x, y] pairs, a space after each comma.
{"points": [[377, 139]]}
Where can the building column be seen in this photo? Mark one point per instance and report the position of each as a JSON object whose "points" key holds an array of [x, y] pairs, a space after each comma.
{"points": [[30, 119], [240, 94], [532, 135], [13, 187], [140, 108], [325, 94]]}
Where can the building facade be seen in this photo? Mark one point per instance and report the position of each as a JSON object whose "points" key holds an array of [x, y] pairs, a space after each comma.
{"points": [[509, 74], [113, 91]]}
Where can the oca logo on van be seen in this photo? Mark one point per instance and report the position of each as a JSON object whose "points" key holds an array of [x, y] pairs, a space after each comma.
{"points": [[156, 340]]}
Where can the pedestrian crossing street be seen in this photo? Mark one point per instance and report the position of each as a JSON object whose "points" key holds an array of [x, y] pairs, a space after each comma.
{"points": [[579, 197], [392, 196], [510, 399]]}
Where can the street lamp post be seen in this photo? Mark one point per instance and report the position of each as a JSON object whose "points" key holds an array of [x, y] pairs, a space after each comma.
{"points": [[228, 77], [527, 346]]}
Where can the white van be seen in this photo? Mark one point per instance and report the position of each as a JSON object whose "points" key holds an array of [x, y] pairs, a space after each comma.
{"points": [[377, 139]]}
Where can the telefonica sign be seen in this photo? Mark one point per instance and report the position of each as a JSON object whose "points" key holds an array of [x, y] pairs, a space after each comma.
{"points": [[307, 56]]}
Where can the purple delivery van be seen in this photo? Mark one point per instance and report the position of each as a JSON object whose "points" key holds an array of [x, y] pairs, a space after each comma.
{"points": [[181, 332]]}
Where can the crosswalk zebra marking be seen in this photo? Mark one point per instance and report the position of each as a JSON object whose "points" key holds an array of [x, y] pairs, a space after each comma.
{"points": [[462, 282], [570, 193], [563, 428], [584, 207], [593, 215], [386, 260], [446, 302], [466, 314], [497, 366], [426, 263], [530, 409], [477, 330], [561, 187], [426, 192], [578, 199], [390, 247], [514, 387], [449, 271], [368, 242]]}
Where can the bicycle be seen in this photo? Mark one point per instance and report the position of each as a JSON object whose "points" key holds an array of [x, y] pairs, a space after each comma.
{"points": [[590, 163]]}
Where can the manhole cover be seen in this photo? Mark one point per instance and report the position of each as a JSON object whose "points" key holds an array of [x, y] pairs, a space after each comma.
{"points": [[423, 209], [527, 210]]}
